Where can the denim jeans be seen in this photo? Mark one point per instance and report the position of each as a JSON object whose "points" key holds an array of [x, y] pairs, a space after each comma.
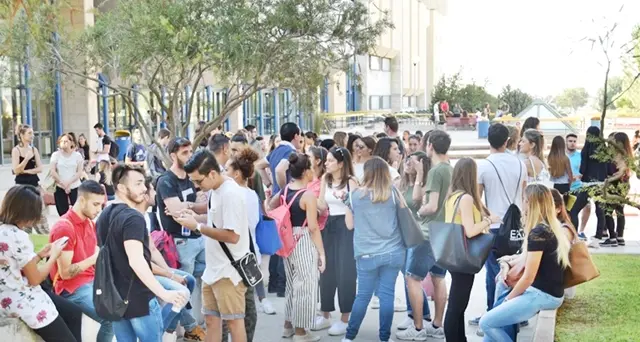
{"points": [[516, 310], [376, 272], [185, 317], [146, 329], [492, 269], [192, 260], [83, 297]]}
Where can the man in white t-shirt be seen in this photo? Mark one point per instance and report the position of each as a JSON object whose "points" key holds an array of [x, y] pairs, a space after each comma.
{"points": [[223, 291], [510, 172]]}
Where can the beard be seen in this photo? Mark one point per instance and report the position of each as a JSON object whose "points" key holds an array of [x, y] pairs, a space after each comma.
{"points": [[135, 198], [180, 164]]}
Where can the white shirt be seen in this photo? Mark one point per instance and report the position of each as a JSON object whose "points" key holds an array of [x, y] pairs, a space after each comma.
{"points": [[67, 166], [335, 204], [358, 170], [253, 216], [228, 211], [99, 147], [495, 197]]}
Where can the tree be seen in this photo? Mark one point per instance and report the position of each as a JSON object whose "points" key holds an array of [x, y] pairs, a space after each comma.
{"points": [[473, 96], [447, 88], [171, 45], [614, 88], [516, 99], [572, 98]]}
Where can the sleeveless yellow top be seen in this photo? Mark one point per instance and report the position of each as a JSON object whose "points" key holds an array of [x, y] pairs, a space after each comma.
{"points": [[450, 206]]}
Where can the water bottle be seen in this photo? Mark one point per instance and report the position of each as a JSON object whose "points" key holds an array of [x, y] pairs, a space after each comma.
{"points": [[186, 231], [178, 308]]}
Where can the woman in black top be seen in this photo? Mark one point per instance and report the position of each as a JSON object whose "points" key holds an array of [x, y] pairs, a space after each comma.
{"points": [[541, 286], [25, 158], [618, 186], [83, 147], [591, 170]]}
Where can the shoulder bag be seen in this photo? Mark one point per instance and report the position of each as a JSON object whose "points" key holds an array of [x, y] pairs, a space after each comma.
{"points": [[581, 267], [453, 250], [409, 228]]}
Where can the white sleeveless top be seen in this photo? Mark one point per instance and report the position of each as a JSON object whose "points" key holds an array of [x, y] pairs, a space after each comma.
{"points": [[336, 205]]}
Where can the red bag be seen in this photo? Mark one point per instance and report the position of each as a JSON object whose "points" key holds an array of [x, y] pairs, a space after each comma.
{"points": [[282, 216], [165, 245]]}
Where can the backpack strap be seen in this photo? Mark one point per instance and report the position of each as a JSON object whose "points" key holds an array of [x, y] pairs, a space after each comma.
{"points": [[502, 183]]}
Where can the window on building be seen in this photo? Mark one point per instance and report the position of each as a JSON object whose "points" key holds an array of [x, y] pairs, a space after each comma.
{"points": [[386, 64], [386, 102], [374, 102], [374, 62]]}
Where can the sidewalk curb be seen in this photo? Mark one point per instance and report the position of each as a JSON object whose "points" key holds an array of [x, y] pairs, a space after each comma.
{"points": [[545, 326]]}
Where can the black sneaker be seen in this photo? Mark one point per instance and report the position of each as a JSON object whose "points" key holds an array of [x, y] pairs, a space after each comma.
{"points": [[605, 235], [524, 324], [620, 241], [609, 243]]}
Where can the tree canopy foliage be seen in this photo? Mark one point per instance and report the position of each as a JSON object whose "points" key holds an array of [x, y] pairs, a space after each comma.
{"points": [[516, 99], [470, 96], [572, 98]]}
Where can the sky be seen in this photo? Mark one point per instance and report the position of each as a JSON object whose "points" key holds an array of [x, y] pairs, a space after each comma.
{"points": [[532, 44]]}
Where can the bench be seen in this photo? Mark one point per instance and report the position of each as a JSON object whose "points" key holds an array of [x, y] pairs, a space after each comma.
{"points": [[15, 330], [461, 122], [545, 328]]}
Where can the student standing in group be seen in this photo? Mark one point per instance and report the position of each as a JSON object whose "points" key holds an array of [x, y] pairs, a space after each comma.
{"points": [[340, 271], [66, 169], [464, 207], [531, 149], [559, 166], [103, 176], [103, 144], [25, 158], [420, 260], [575, 159], [363, 149], [391, 129], [619, 186], [136, 152], [74, 272], [378, 247], [388, 150], [154, 156], [223, 291], [122, 229]]}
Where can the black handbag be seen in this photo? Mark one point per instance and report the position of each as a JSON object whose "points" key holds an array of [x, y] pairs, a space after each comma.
{"points": [[247, 266], [107, 301], [409, 228], [455, 252]]}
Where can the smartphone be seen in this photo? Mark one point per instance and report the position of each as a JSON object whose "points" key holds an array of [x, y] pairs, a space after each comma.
{"points": [[62, 241]]}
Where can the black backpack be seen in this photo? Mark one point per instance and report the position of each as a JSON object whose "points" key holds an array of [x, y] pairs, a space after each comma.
{"points": [[510, 234], [114, 149], [107, 301]]}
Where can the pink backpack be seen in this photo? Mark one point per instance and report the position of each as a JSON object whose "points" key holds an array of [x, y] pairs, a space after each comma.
{"points": [[282, 216]]}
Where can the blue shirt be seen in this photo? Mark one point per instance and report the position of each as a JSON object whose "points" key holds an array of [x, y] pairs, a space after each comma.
{"points": [[376, 225], [279, 153], [575, 158], [137, 152]]}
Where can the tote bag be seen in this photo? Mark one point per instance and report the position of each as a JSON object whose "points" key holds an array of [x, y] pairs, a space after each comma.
{"points": [[267, 236], [582, 267], [454, 251], [409, 228]]}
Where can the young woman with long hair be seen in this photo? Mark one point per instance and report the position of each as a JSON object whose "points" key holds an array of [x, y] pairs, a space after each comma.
{"points": [[378, 246], [351, 139], [103, 176], [541, 286], [514, 139], [618, 184], [531, 148], [66, 170], [464, 206], [340, 271], [308, 258], [318, 158], [413, 144], [25, 158], [340, 138], [389, 150], [559, 165], [363, 151]]}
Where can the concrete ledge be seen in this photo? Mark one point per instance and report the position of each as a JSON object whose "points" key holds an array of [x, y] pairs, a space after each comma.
{"points": [[545, 328], [15, 330]]}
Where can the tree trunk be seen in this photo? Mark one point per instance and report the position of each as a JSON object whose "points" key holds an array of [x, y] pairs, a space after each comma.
{"points": [[604, 100]]}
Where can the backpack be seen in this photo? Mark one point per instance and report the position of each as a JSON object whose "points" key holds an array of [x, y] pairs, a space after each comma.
{"points": [[510, 234], [282, 216], [107, 301], [165, 245], [114, 149]]}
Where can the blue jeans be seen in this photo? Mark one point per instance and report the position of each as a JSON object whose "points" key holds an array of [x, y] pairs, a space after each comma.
{"points": [[83, 297], [185, 317], [146, 329], [426, 313], [191, 255], [492, 269], [516, 310], [376, 272]]}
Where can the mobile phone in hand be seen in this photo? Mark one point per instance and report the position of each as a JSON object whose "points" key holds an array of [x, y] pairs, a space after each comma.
{"points": [[62, 241]]}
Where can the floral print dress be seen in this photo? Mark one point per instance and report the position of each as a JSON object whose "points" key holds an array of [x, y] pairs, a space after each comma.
{"points": [[17, 298]]}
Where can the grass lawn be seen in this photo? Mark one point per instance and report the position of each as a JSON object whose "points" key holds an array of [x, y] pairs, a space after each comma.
{"points": [[607, 308], [39, 241]]}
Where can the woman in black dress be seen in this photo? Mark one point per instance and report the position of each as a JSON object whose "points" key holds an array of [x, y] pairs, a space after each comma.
{"points": [[25, 158]]}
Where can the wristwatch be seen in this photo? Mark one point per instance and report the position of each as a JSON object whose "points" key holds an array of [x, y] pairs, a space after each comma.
{"points": [[199, 227]]}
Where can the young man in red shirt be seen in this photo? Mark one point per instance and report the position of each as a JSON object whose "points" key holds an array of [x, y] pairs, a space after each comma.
{"points": [[75, 269]]}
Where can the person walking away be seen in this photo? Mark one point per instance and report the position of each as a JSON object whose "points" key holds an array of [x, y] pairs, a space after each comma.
{"points": [[547, 255], [502, 178], [559, 165], [75, 270], [304, 265], [223, 290], [154, 156], [136, 152], [618, 185], [340, 274], [66, 169], [121, 228], [575, 159], [464, 207], [378, 246], [20, 293], [420, 260]]}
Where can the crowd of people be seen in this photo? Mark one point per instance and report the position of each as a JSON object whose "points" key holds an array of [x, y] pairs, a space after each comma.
{"points": [[182, 237]]}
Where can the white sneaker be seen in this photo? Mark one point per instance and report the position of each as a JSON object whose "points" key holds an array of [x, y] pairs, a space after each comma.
{"points": [[338, 328], [321, 323], [375, 303], [408, 322], [169, 337], [411, 334], [399, 305], [267, 307], [306, 338], [288, 332], [434, 332], [346, 340]]}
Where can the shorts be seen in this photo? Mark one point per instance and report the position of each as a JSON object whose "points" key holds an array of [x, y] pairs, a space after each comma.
{"points": [[420, 262], [223, 299]]}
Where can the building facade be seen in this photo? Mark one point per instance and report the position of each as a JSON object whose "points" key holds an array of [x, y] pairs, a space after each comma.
{"points": [[397, 75]]}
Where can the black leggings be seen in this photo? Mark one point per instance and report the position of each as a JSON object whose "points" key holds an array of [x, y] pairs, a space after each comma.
{"points": [[582, 199], [63, 199], [57, 331], [563, 188], [69, 312], [616, 230], [340, 273], [461, 284]]}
